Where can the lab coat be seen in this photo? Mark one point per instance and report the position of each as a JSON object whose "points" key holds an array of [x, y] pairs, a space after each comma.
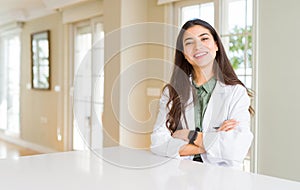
{"points": [[222, 148]]}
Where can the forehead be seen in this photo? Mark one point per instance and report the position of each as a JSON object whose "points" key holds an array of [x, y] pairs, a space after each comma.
{"points": [[195, 31]]}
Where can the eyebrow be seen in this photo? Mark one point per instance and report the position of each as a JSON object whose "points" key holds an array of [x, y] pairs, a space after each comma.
{"points": [[190, 38]]}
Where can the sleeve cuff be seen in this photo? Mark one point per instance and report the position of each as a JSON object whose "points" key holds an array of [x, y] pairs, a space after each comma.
{"points": [[211, 145]]}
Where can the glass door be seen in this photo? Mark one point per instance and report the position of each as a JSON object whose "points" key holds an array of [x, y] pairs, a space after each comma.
{"points": [[10, 84], [88, 84]]}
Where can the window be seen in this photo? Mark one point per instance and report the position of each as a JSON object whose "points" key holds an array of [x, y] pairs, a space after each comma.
{"points": [[235, 29], [236, 33]]}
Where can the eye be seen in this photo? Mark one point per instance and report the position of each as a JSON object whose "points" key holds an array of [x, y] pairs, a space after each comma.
{"points": [[204, 39], [188, 43]]}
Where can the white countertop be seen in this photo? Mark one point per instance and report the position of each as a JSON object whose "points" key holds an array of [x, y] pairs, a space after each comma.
{"points": [[124, 168]]}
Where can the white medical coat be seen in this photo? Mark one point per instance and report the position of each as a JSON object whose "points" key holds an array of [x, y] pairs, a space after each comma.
{"points": [[222, 148]]}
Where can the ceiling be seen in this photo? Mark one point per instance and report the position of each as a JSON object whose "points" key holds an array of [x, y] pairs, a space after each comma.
{"points": [[24, 10]]}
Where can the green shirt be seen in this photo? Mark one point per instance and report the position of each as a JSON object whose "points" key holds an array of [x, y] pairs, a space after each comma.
{"points": [[203, 93]]}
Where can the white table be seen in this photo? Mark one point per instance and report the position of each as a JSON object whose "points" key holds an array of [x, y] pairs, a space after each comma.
{"points": [[123, 168]]}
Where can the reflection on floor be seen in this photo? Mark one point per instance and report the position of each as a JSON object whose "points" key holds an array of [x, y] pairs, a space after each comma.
{"points": [[11, 151]]}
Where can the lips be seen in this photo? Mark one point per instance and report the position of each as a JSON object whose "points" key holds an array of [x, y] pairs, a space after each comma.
{"points": [[200, 54]]}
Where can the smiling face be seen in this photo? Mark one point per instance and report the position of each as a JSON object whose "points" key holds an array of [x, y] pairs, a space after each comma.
{"points": [[199, 47]]}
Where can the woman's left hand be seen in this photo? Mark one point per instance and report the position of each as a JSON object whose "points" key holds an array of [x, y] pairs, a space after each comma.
{"points": [[181, 134], [228, 125]]}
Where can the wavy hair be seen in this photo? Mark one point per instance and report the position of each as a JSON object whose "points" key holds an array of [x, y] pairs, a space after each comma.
{"points": [[180, 85]]}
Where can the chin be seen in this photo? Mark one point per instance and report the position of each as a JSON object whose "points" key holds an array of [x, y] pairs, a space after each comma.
{"points": [[203, 64]]}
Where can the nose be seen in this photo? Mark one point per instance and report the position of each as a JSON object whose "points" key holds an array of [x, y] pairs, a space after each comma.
{"points": [[198, 44]]}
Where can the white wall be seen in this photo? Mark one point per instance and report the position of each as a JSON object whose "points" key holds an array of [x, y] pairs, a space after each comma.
{"points": [[278, 88]]}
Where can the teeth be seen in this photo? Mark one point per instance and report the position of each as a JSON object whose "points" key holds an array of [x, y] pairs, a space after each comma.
{"points": [[200, 54]]}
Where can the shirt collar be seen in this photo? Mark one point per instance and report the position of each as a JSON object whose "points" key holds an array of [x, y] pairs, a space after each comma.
{"points": [[208, 86]]}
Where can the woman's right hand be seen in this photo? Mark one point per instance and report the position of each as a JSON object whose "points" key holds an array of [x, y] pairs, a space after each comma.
{"points": [[228, 125]]}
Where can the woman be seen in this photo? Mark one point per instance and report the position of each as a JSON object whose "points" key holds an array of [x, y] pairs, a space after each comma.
{"points": [[205, 110]]}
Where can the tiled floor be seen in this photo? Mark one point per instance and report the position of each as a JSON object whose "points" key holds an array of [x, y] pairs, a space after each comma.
{"points": [[11, 151]]}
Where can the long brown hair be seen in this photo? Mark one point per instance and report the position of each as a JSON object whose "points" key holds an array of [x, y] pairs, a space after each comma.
{"points": [[180, 85]]}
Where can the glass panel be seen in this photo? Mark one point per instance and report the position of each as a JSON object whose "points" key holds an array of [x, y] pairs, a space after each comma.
{"points": [[99, 34], [82, 87], [207, 13], [248, 82], [189, 12], [13, 107], [236, 16], [242, 78], [203, 11], [249, 12], [226, 44], [249, 55], [236, 51], [10, 85], [235, 48], [44, 50], [98, 86], [3, 87], [83, 44], [247, 162]]}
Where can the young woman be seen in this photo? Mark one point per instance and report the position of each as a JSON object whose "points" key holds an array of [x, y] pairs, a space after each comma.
{"points": [[205, 110]]}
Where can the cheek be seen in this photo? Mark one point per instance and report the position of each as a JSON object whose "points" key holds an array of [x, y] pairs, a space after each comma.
{"points": [[188, 51], [188, 56]]}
